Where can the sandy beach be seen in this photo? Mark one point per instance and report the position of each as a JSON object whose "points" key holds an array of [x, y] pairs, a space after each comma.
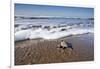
{"points": [[39, 51]]}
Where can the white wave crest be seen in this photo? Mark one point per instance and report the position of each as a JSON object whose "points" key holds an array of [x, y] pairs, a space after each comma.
{"points": [[49, 34]]}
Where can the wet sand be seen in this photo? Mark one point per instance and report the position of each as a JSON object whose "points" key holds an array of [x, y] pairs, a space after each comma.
{"points": [[41, 51]]}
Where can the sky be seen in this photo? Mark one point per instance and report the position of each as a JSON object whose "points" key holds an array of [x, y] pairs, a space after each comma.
{"points": [[57, 11]]}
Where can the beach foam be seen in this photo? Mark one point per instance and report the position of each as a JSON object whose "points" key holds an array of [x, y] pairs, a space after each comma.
{"points": [[51, 28], [52, 34]]}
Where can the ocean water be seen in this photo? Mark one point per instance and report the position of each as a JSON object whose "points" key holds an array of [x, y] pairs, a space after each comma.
{"points": [[51, 28]]}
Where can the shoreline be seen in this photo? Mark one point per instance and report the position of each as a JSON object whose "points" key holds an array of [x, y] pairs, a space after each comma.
{"points": [[44, 51]]}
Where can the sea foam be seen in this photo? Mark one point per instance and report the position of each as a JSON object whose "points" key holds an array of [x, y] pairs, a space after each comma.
{"points": [[57, 28], [49, 34]]}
